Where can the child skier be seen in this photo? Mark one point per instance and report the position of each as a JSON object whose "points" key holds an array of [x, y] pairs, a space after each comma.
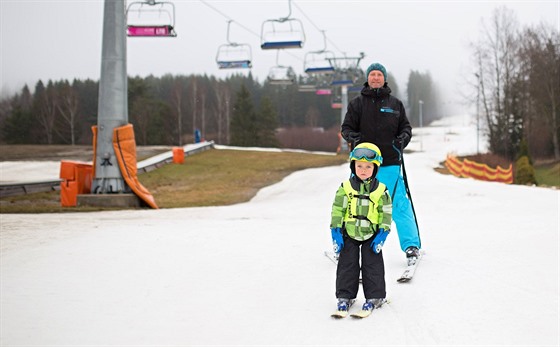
{"points": [[361, 219]]}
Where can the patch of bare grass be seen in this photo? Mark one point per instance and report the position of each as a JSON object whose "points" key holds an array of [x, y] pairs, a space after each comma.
{"points": [[224, 177], [209, 178]]}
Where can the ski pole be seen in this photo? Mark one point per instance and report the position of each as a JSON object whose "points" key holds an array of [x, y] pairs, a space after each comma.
{"points": [[408, 191]]}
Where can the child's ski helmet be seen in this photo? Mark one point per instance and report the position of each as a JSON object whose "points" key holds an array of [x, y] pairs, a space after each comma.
{"points": [[367, 152]]}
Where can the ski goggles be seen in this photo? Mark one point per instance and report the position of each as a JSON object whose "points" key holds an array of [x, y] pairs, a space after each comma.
{"points": [[366, 154]]}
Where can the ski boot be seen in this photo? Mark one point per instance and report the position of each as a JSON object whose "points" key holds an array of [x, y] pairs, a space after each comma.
{"points": [[372, 304], [342, 307], [412, 254], [368, 307], [344, 304]]}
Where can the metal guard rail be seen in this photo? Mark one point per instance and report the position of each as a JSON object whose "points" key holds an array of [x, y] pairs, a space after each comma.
{"points": [[147, 165]]}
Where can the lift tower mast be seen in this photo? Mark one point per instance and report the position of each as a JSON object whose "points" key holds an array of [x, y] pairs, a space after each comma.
{"points": [[113, 102]]}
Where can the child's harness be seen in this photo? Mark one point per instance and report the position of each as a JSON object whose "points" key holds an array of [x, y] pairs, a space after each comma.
{"points": [[353, 217]]}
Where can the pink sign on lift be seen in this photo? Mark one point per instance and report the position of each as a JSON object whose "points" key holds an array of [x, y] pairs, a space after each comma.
{"points": [[323, 92], [154, 30]]}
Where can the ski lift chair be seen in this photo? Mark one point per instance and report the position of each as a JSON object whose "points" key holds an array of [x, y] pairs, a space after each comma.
{"points": [[282, 33], [307, 84], [281, 75], [307, 88], [150, 19], [342, 78], [234, 55], [319, 62]]}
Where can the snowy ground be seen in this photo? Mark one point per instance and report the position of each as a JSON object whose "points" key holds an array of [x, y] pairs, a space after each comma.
{"points": [[28, 171], [254, 273]]}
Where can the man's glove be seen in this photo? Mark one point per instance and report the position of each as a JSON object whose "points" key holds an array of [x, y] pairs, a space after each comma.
{"points": [[352, 137], [379, 240], [337, 240], [402, 140]]}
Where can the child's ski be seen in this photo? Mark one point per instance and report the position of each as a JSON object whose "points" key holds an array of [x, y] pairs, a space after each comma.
{"points": [[410, 269], [339, 314], [361, 314], [365, 313]]}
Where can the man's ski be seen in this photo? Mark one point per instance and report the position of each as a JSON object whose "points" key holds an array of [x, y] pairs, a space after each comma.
{"points": [[365, 313], [408, 273]]}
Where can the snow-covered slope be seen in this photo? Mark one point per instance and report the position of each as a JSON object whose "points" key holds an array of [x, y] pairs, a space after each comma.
{"points": [[255, 274]]}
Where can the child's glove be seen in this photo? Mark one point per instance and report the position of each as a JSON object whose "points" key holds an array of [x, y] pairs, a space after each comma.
{"points": [[337, 240], [379, 240]]}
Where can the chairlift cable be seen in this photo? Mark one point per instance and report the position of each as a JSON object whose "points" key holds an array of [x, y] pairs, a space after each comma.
{"points": [[258, 35], [315, 25], [229, 18], [241, 25]]}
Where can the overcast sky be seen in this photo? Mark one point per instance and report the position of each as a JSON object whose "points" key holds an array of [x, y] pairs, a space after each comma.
{"points": [[46, 39]]}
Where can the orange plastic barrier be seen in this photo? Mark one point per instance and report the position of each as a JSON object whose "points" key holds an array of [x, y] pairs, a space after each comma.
{"points": [[77, 178], [469, 168], [125, 150], [124, 145], [178, 155]]}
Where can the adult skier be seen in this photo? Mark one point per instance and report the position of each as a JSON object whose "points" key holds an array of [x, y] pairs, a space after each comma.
{"points": [[378, 117]]}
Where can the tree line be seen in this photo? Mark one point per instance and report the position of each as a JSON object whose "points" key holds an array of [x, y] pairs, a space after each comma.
{"points": [[517, 86], [167, 110], [163, 110]]}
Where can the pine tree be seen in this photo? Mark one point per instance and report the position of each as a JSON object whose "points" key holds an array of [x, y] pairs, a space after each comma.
{"points": [[17, 128], [244, 121], [267, 123]]}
